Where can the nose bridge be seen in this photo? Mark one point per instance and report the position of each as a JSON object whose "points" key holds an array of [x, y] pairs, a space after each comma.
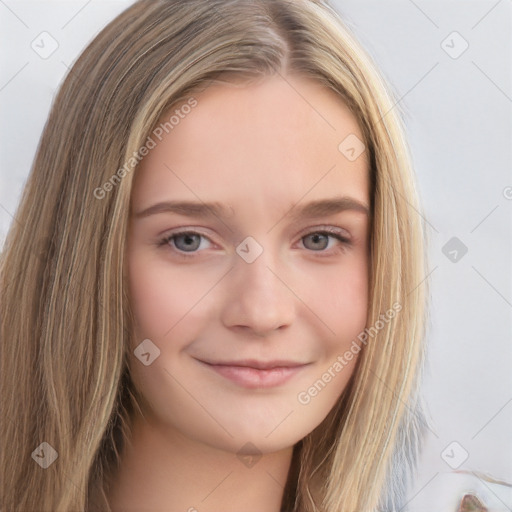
{"points": [[258, 280], [258, 298]]}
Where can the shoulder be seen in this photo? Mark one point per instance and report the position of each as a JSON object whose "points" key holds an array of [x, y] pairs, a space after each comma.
{"points": [[464, 491]]}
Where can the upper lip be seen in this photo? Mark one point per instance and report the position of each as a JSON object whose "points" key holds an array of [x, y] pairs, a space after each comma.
{"points": [[260, 365]]}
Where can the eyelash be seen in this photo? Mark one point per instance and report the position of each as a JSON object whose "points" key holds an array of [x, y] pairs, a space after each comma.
{"points": [[165, 241]]}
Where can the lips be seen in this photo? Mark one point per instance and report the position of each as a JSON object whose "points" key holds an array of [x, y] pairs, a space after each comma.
{"points": [[259, 365], [250, 373]]}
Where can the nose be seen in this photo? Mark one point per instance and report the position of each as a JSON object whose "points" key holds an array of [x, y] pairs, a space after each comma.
{"points": [[258, 299]]}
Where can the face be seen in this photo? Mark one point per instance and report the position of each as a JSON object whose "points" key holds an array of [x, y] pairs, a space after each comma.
{"points": [[248, 264]]}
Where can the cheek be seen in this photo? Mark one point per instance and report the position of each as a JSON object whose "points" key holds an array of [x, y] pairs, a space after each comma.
{"points": [[347, 303], [162, 296], [338, 295]]}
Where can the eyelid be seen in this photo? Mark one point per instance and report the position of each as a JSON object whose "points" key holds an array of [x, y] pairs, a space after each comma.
{"points": [[184, 231], [339, 234], [329, 229], [307, 231]]}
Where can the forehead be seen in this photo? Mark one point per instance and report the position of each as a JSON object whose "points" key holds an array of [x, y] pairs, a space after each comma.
{"points": [[277, 139]]}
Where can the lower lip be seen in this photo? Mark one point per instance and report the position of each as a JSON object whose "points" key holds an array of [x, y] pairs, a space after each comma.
{"points": [[254, 378]]}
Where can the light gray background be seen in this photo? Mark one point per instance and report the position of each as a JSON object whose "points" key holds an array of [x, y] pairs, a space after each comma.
{"points": [[458, 114]]}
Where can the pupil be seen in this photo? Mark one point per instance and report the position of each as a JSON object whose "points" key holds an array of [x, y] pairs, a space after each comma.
{"points": [[316, 238], [188, 242]]}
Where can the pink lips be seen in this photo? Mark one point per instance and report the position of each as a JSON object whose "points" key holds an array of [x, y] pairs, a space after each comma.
{"points": [[257, 374]]}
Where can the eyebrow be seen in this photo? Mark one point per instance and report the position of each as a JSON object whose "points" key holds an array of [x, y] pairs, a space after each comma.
{"points": [[313, 209]]}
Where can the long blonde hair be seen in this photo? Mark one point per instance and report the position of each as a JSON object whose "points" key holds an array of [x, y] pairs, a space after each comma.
{"points": [[65, 314]]}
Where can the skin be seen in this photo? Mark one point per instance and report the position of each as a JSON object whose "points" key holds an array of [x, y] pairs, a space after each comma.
{"points": [[258, 150]]}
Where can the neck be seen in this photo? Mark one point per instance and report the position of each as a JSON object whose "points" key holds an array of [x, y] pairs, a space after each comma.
{"points": [[161, 469]]}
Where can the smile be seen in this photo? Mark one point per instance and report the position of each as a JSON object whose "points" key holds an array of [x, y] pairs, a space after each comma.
{"points": [[260, 375]]}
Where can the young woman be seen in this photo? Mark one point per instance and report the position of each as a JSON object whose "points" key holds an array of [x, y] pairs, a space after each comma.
{"points": [[214, 294]]}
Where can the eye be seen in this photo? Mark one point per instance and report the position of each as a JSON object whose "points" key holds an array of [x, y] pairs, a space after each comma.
{"points": [[183, 242], [187, 244], [318, 241]]}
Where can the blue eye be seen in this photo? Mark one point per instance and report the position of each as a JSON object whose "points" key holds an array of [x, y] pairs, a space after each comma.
{"points": [[186, 244], [322, 238]]}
